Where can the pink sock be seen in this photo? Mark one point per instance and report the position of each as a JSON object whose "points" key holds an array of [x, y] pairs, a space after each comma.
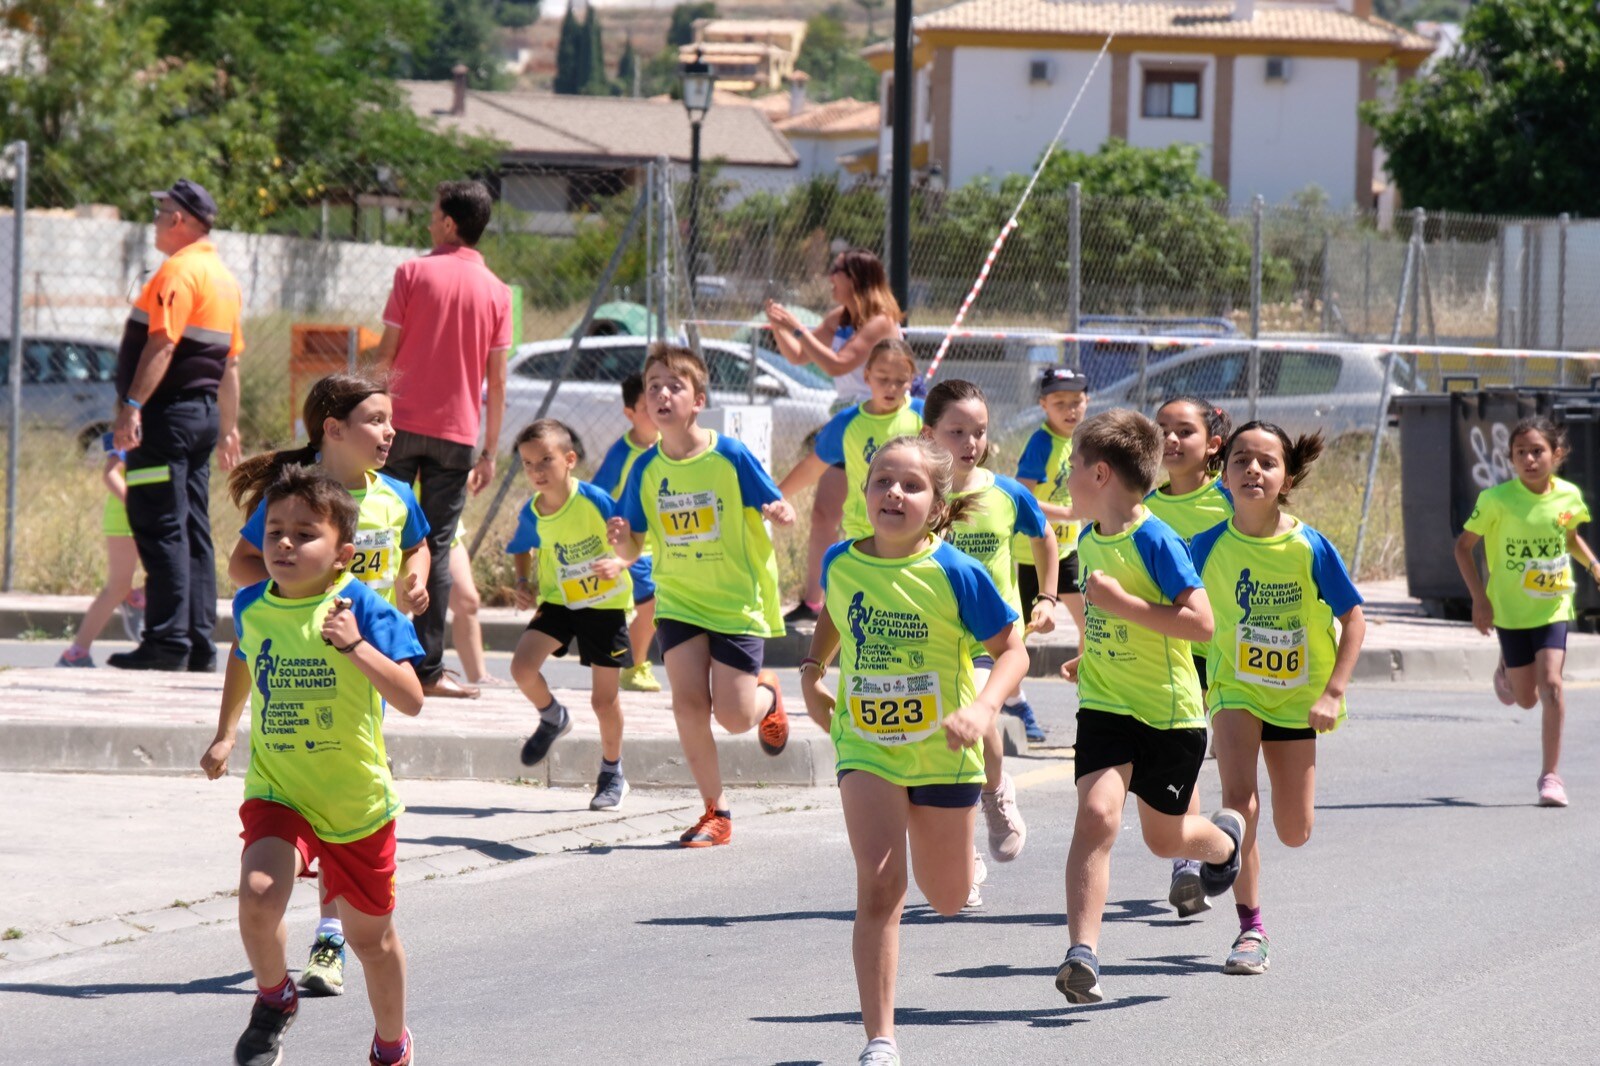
{"points": [[282, 996], [1249, 918], [387, 1052]]}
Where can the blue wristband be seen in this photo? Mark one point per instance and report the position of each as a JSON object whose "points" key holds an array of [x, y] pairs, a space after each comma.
{"points": [[131, 402]]}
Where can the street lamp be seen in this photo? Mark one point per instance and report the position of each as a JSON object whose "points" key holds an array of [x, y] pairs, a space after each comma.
{"points": [[698, 82]]}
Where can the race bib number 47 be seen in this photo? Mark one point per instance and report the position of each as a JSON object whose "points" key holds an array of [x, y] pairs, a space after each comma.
{"points": [[1547, 579], [1274, 658], [689, 518], [893, 710]]}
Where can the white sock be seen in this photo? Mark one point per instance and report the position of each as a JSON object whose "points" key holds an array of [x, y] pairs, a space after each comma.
{"points": [[882, 1043], [1020, 697], [330, 927]]}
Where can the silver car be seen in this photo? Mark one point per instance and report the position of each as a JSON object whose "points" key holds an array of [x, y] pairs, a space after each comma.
{"points": [[68, 383], [590, 398]]}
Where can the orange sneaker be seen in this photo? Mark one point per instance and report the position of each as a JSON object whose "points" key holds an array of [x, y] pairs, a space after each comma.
{"points": [[714, 827], [774, 728]]}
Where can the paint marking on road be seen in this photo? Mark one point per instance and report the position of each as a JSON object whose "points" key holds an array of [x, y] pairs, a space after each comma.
{"points": [[1060, 771]]}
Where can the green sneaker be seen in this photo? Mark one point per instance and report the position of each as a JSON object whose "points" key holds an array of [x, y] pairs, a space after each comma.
{"points": [[640, 678], [1249, 954], [324, 972]]}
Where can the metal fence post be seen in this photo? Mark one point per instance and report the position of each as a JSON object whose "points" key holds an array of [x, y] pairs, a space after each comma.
{"points": [[663, 243], [1561, 279], [650, 249], [19, 155], [1419, 226], [1075, 266], [1256, 206]]}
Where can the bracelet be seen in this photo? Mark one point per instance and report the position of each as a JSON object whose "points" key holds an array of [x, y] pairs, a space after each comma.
{"points": [[131, 402], [352, 646], [822, 668], [522, 582], [1046, 596], [799, 331]]}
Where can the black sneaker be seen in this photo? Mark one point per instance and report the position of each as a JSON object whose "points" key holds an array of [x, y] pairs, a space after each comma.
{"points": [[203, 664], [536, 747], [802, 612], [1079, 976], [1218, 877], [261, 1044], [609, 791], [144, 658]]}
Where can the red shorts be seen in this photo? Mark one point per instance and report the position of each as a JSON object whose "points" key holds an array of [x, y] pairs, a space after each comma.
{"points": [[361, 871]]}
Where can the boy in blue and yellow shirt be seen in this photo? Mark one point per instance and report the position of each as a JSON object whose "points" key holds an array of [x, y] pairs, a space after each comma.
{"points": [[700, 500], [318, 654], [1141, 720], [611, 476]]}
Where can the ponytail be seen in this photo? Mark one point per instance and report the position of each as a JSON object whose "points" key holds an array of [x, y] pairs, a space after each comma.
{"points": [[335, 396]]}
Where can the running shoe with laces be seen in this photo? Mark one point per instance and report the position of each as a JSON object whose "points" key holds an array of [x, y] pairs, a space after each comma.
{"points": [[1249, 954], [324, 972], [1030, 725], [1216, 878], [1187, 895], [406, 1059], [879, 1053], [82, 659], [773, 732], [640, 678], [610, 789], [980, 874], [714, 828], [262, 1043], [1007, 831], [536, 747], [1552, 791], [1502, 685], [1078, 977]]}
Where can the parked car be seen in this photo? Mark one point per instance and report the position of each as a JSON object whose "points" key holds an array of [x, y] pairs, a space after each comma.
{"points": [[1334, 389], [590, 399], [68, 383]]}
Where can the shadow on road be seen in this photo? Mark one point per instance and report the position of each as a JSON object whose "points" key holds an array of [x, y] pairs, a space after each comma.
{"points": [[229, 985], [1058, 1017], [483, 812], [918, 915], [1167, 965], [493, 849], [1431, 803]]}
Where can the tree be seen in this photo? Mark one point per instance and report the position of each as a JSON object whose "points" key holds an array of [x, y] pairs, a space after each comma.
{"points": [[871, 7], [681, 29], [593, 67], [832, 58], [627, 67], [464, 34], [567, 60], [1508, 124]]}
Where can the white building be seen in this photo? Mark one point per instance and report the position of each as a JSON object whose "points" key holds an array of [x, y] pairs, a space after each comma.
{"points": [[1268, 91]]}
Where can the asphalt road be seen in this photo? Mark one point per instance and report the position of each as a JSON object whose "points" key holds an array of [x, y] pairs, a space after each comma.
{"points": [[1436, 916]]}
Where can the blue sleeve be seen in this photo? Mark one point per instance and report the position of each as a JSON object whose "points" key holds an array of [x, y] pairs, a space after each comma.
{"points": [[631, 506], [382, 626], [241, 603], [984, 612], [255, 527], [1226, 495], [1034, 455], [1166, 557], [610, 470], [1200, 547], [526, 537], [597, 496], [1328, 571], [829, 556], [830, 438], [417, 527], [916, 405], [1030, 516], [756, 487]]}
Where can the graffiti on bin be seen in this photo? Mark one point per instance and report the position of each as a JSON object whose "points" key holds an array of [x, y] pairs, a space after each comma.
{"points": [[1491, 454]]}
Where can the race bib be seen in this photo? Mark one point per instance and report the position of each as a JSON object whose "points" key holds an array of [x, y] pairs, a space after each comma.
{"points": [[371, 564], [689, 518], [1273, 658], [582, 587], [895, 709], [1547, 579]]}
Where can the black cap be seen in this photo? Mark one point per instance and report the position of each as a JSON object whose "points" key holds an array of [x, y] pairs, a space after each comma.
{"points": [[191, 198], [1062, 379]]}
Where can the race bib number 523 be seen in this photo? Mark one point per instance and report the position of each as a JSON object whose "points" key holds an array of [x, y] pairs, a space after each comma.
{"points": [[893, 710]]}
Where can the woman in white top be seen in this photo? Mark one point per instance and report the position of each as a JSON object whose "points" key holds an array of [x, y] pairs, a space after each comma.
{"points": [[865, 313]]}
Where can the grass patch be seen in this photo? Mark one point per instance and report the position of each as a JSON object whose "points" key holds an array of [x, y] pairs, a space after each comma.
{"points": [[12, 934], [1330, 501]]}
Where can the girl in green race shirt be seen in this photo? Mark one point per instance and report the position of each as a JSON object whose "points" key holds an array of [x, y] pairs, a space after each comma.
{"points": [[1529, 530]]}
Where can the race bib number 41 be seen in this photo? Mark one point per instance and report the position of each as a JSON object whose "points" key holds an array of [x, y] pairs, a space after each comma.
{"points": [[689, 518], [893, 710], [1547, 579], [1274, 658]]}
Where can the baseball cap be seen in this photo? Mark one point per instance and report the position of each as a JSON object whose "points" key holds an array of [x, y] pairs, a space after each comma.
{"points": [[1062, 379], [190, 197]]}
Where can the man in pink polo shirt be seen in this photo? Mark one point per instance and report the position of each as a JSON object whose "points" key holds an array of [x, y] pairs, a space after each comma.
{"points": [[446, 329]]}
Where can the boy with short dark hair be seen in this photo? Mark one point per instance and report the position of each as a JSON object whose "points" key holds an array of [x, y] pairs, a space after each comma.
{"points": [[317, 656], [700, 498], [611, 476], [1141, 719]]}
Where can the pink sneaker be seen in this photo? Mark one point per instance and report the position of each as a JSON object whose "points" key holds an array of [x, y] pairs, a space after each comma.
{"points": [[1552, 793], [1502, 685]]}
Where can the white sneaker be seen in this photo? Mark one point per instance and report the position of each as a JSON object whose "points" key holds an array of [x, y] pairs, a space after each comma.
{"points": [[1007, 831], [879, 1053], [980, 874]]}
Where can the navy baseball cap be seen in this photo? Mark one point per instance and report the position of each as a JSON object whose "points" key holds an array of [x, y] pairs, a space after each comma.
{"points": [[190, 197], [1062, 379]]}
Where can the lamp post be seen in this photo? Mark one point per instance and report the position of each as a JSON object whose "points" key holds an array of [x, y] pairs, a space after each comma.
{"points": [[697, 83]]}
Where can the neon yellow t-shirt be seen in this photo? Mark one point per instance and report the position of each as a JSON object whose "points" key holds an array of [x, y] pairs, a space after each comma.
{"points": [[1004, 509], [906, 629], [1525, 545], [1274, 600], [316, 722], [1045, 461], [1192, 513], [1125, 668], [569, 543], [714, 563], [850, 439]]}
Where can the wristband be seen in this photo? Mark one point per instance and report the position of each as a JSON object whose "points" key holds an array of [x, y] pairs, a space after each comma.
{"points": [[131, 402], [352, 646], [822, 669], [1046, 596], [799, 332], [521, 582]]}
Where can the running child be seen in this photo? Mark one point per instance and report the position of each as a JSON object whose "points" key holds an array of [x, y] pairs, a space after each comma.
{"points": [[957, 420], [611, 477], [700, 499], [1191, 502], [317, 657], [582, 592], [850, 438], [1141, 720], [1042, 469], [122, 561], [347, 423], [1279, 669], [911, 709], [1529, 530]]}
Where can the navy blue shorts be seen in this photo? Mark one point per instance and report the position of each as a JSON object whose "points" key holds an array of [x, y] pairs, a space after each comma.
{"points": [[1066, 580], [951, 797], [1519, 647], [644, 583], [743, 653]]}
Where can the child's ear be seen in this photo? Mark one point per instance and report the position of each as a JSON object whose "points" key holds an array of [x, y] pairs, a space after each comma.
{"points": [[332, 428], [346, 553], [572, 458]]}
